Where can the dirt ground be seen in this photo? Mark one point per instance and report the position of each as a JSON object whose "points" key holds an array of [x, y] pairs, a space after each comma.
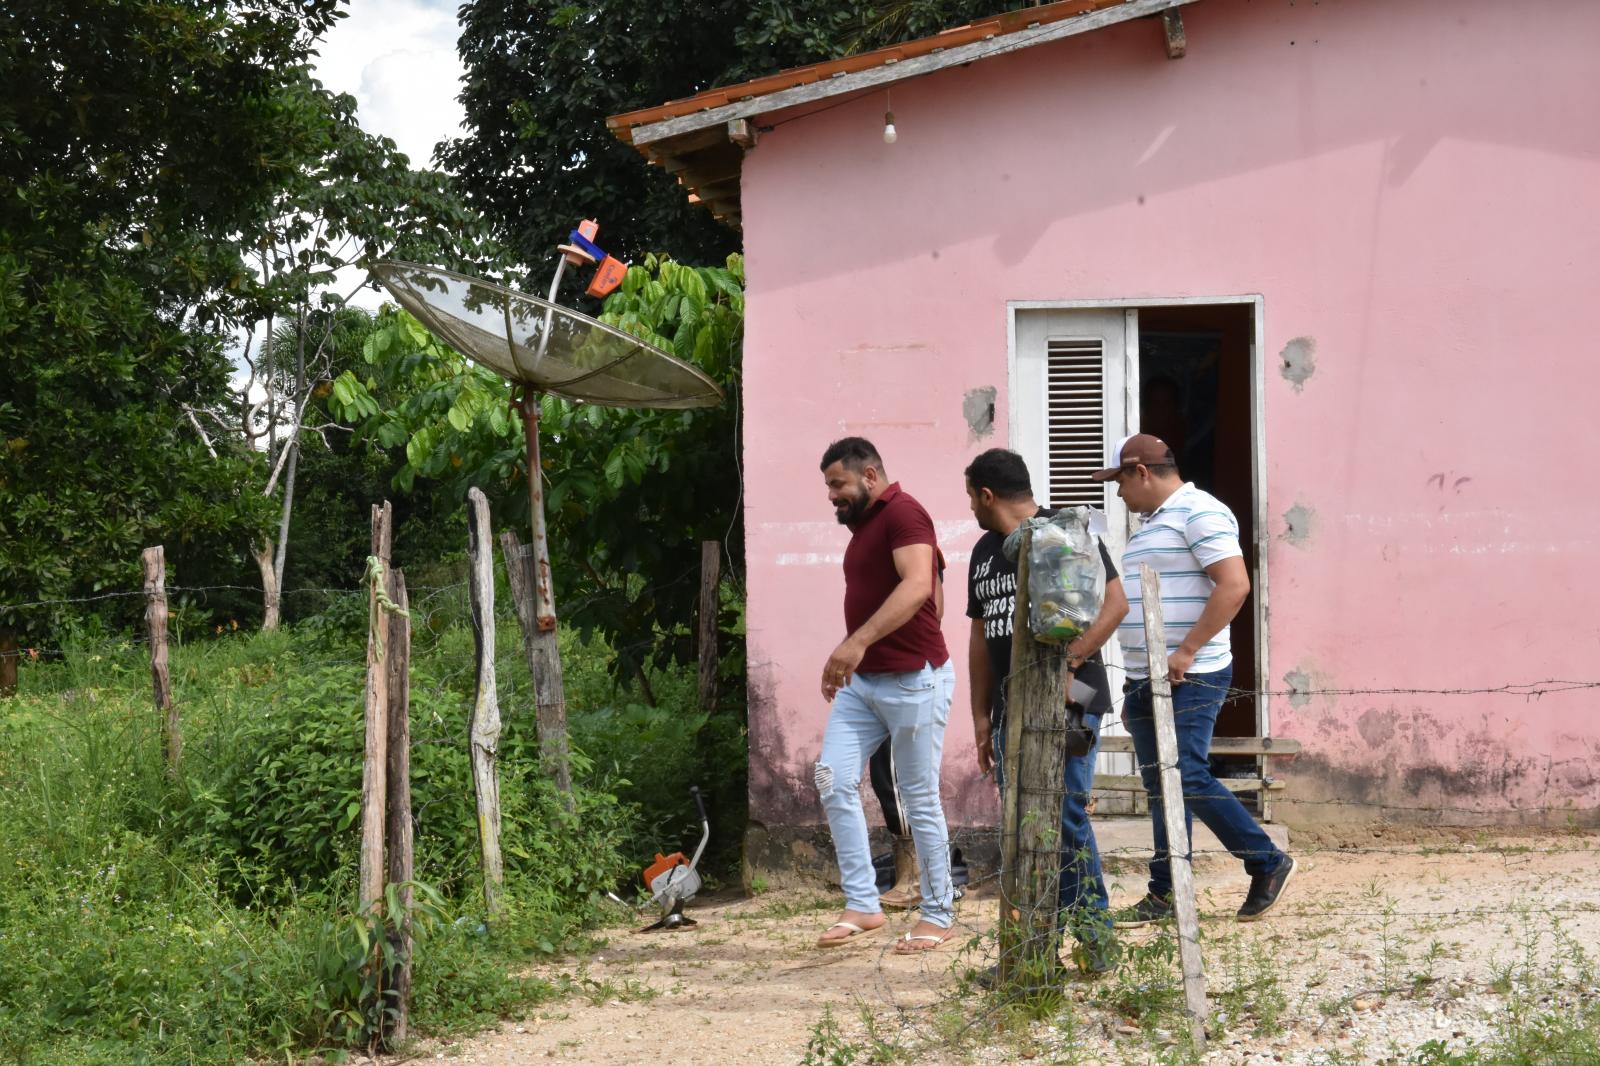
{"points": [[1373, 952]]}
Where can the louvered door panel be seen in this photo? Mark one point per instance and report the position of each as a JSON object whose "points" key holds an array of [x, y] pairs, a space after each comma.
{"points": [[1074, 391], [1075, 420]]}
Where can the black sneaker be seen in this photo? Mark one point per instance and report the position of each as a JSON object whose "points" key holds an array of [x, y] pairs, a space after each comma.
{"points": [[1265, 890], [1145, 912]]}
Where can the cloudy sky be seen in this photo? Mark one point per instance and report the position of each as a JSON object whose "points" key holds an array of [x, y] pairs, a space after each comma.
{"points": [[398, 59]]}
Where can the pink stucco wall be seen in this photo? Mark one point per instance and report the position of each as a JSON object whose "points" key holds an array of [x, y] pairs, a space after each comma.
{"points": [[1413, 186]]}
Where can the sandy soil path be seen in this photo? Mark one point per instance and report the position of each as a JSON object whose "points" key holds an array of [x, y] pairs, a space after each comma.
{"points": [[1373, 953]]}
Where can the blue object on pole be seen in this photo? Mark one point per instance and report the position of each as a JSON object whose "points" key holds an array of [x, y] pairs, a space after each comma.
{"points": [[587, 245]]}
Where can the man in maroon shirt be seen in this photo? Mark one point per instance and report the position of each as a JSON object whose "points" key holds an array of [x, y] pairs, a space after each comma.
{"points": [[891, 677]]}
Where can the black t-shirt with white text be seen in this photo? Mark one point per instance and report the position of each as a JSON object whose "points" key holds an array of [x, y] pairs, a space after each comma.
{"points": [[992, 599]]}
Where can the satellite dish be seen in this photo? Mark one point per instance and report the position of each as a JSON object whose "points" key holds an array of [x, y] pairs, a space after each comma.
{"points": [[543, 346]]}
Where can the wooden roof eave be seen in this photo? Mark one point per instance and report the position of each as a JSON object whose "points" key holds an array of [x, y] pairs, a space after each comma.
{"points": [[705, 148], [805, 86]]}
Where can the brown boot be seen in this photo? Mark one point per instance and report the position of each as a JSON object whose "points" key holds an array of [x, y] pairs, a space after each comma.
{"points": [[906, 891]]}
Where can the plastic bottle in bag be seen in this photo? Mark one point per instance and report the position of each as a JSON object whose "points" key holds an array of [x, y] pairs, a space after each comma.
{"points": [[1066, 582]]}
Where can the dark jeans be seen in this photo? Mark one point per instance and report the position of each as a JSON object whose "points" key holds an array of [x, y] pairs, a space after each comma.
{"points": [[1081, 894], [886, 786], [1195, 703]]}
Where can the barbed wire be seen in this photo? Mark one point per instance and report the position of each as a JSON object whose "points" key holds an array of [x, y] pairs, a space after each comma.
{"points": [[67, 601]]}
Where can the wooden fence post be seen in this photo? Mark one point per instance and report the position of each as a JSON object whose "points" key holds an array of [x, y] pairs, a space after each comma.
{"points": [[1179, 847], [485, 732], [542, 649], [710, 607], [155, 624], [374, 764], [399, 831], [1035, 764], [10, 656]]}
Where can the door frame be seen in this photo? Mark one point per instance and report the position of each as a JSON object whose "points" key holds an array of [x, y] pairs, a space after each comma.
{"points": [[1258, 433]]}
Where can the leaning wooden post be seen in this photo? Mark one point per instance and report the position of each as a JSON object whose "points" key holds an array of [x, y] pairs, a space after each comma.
{"points": [[541, 647], [485, 731], [399, 829], [710, 607], [1035, 765], [155, 623], [374, 764], [1179, 847]]}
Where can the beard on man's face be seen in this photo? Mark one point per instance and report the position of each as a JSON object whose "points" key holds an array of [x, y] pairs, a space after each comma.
{"points": [[848, 511]]}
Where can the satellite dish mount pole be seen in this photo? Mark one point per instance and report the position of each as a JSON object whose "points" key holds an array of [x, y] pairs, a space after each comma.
{"points": [[544, 605]]}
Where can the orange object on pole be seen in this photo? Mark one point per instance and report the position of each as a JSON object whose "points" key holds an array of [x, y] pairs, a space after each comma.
{"points": [[607, 277]]}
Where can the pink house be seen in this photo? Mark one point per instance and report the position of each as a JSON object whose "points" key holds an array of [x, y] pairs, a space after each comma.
{"points": [[1341, 250]]}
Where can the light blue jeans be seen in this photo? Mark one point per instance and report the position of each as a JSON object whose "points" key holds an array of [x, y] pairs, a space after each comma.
{"points": [[911, 709]]}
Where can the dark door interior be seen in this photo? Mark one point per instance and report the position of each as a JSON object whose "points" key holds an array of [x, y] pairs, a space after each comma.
{"points": [[1194, 393]]}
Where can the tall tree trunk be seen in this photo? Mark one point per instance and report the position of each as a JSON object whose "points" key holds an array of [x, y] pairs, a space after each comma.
{"points": [[293, 444], [284, 514], [645, 689], [269, 584]]}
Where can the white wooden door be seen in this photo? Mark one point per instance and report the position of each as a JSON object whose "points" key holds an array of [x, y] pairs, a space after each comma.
{"points": [[1074, 394]]}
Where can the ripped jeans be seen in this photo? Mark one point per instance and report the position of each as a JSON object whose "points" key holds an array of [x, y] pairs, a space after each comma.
{"points": [[911, 710]]}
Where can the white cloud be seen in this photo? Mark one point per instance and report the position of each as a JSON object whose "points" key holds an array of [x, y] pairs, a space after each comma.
{"points": [[398, 59]]}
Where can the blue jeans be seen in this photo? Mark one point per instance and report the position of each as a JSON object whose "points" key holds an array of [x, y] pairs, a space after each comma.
{"points": [[911, 710], [1195, 703], [1081, 893]]}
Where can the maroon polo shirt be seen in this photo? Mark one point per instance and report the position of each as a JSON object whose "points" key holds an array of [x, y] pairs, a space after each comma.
{"points": [[893, 520]]}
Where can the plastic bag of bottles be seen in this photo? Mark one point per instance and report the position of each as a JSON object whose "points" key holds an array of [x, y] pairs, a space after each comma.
{"points": [[1066, 581]]}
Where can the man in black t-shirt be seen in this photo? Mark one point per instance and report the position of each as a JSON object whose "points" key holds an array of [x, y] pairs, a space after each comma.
{"points": [[1001, 496]]}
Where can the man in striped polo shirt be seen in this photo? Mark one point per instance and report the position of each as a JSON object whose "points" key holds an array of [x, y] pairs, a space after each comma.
{"points": [[1191, 540]]}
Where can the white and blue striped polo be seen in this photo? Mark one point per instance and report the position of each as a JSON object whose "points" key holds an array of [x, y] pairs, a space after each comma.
{"points": [[1189, 532]]}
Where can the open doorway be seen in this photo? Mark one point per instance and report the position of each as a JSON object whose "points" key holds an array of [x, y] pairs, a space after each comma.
{"points": [[1085, 372], [1195, 380]]}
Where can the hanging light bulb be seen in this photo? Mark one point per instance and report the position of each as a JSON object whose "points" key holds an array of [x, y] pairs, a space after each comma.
{"points": [[889, 134]]}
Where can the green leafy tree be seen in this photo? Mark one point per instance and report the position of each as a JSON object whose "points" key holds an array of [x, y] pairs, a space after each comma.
{"points": [[542, 75], [630, 494], [138, 144], [351, 198], [341, 475]]}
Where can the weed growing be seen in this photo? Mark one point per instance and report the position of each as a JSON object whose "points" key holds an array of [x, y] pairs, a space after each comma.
{"points": [[827, 1045]]}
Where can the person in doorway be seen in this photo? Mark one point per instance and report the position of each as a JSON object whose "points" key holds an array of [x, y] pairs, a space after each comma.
{"points": [[890, 678], [1000, 494], [1191, 540]]}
